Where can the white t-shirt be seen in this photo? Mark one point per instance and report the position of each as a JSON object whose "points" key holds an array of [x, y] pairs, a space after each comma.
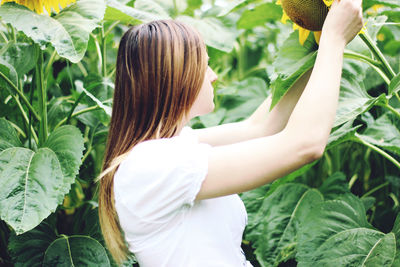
{"points": [[155, 190]]}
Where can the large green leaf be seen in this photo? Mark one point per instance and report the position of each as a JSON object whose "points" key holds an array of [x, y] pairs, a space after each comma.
{"points": [[8, 135], [143, 12], [215, 32], [259, 15], [353, 99], [242, 98], [21, 56], [274, 228], [292, 62], [396, 231], [336, 233], [28, 248], [384, 133], [75, 250], [68, 32], [33, 183], [335, 186]]}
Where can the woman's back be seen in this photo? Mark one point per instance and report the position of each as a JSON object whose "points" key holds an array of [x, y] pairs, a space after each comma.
{"points": [[154, 191]]}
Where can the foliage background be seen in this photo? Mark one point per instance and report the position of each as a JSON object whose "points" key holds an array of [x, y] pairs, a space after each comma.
{"points": [[56, 85]]}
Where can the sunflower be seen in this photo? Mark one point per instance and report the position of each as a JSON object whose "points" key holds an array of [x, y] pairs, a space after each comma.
{"points": [[38, 5], [305, 28]]}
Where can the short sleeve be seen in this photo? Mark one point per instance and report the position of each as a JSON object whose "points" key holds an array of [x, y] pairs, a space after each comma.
{"points": [[160, 177]]}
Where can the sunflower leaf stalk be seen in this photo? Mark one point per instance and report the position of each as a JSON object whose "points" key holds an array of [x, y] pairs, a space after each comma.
{"points": [[386, 68]]}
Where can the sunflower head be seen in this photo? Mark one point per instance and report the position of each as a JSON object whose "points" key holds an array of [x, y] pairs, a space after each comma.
{"points": [[40, 5], [307, 15]]}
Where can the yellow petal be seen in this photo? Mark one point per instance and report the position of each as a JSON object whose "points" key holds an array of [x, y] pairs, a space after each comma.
{"points": [[295, 26], [328, 2], [284, 18], [364, 28], [317, 36], [279, 2], [303, 35]]}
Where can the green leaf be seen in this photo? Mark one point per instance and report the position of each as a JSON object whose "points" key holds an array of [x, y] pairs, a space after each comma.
{"points": [[162, 7], [28, 249], [76, 251], [242, 98], [259, 15], [396, 231], [21, 56], [67, 144], [334, 186], [143, 12], [215, 32], [79, 86], [353, 99], [336, 233], [8, 75], [290, 177], [292, 62], [8, 135], [68, 32], [389, 3], [274, 229], [343, 134], [33, 183], [59, 109], [231, 6], [383, 133]]}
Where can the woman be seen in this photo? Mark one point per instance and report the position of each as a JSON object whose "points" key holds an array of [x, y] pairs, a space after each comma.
{"points": [[169, 193]]}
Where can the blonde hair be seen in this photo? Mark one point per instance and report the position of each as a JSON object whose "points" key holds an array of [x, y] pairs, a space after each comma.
{"points": [[160, 69]]}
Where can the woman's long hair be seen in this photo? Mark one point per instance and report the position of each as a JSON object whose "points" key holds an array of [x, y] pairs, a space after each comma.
{"points": [[160, 69]]}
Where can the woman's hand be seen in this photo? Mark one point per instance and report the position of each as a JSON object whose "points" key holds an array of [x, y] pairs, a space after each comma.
{"points": [[344, 21]]}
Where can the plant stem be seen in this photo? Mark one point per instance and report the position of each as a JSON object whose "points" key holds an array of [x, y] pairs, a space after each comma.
{"points": [[92, 108], [397, 96], [392, 109], [112, 26], [20, 94], [42, 94], [19, 130], [378, 54], [103, 52], [377, 66], [30, 127], [377, 149], [50, 63], [373, 190], [354, 55]]}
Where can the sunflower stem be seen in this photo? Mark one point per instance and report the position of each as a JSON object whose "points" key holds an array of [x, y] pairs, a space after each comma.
{"points": [[378, 54], [42, 94], [50, 63]]}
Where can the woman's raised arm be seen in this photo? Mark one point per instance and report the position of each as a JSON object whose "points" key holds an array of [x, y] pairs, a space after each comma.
{"points": [[246, 165]]}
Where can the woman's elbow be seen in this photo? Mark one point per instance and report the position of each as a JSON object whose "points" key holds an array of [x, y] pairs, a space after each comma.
{"points": [[312, 149]]}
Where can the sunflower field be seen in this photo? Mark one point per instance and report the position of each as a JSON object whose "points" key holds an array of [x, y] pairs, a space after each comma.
{"points": [[57, 65]]}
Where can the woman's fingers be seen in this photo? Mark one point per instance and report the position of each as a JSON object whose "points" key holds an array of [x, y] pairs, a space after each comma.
{"points": [[344, 20]]}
